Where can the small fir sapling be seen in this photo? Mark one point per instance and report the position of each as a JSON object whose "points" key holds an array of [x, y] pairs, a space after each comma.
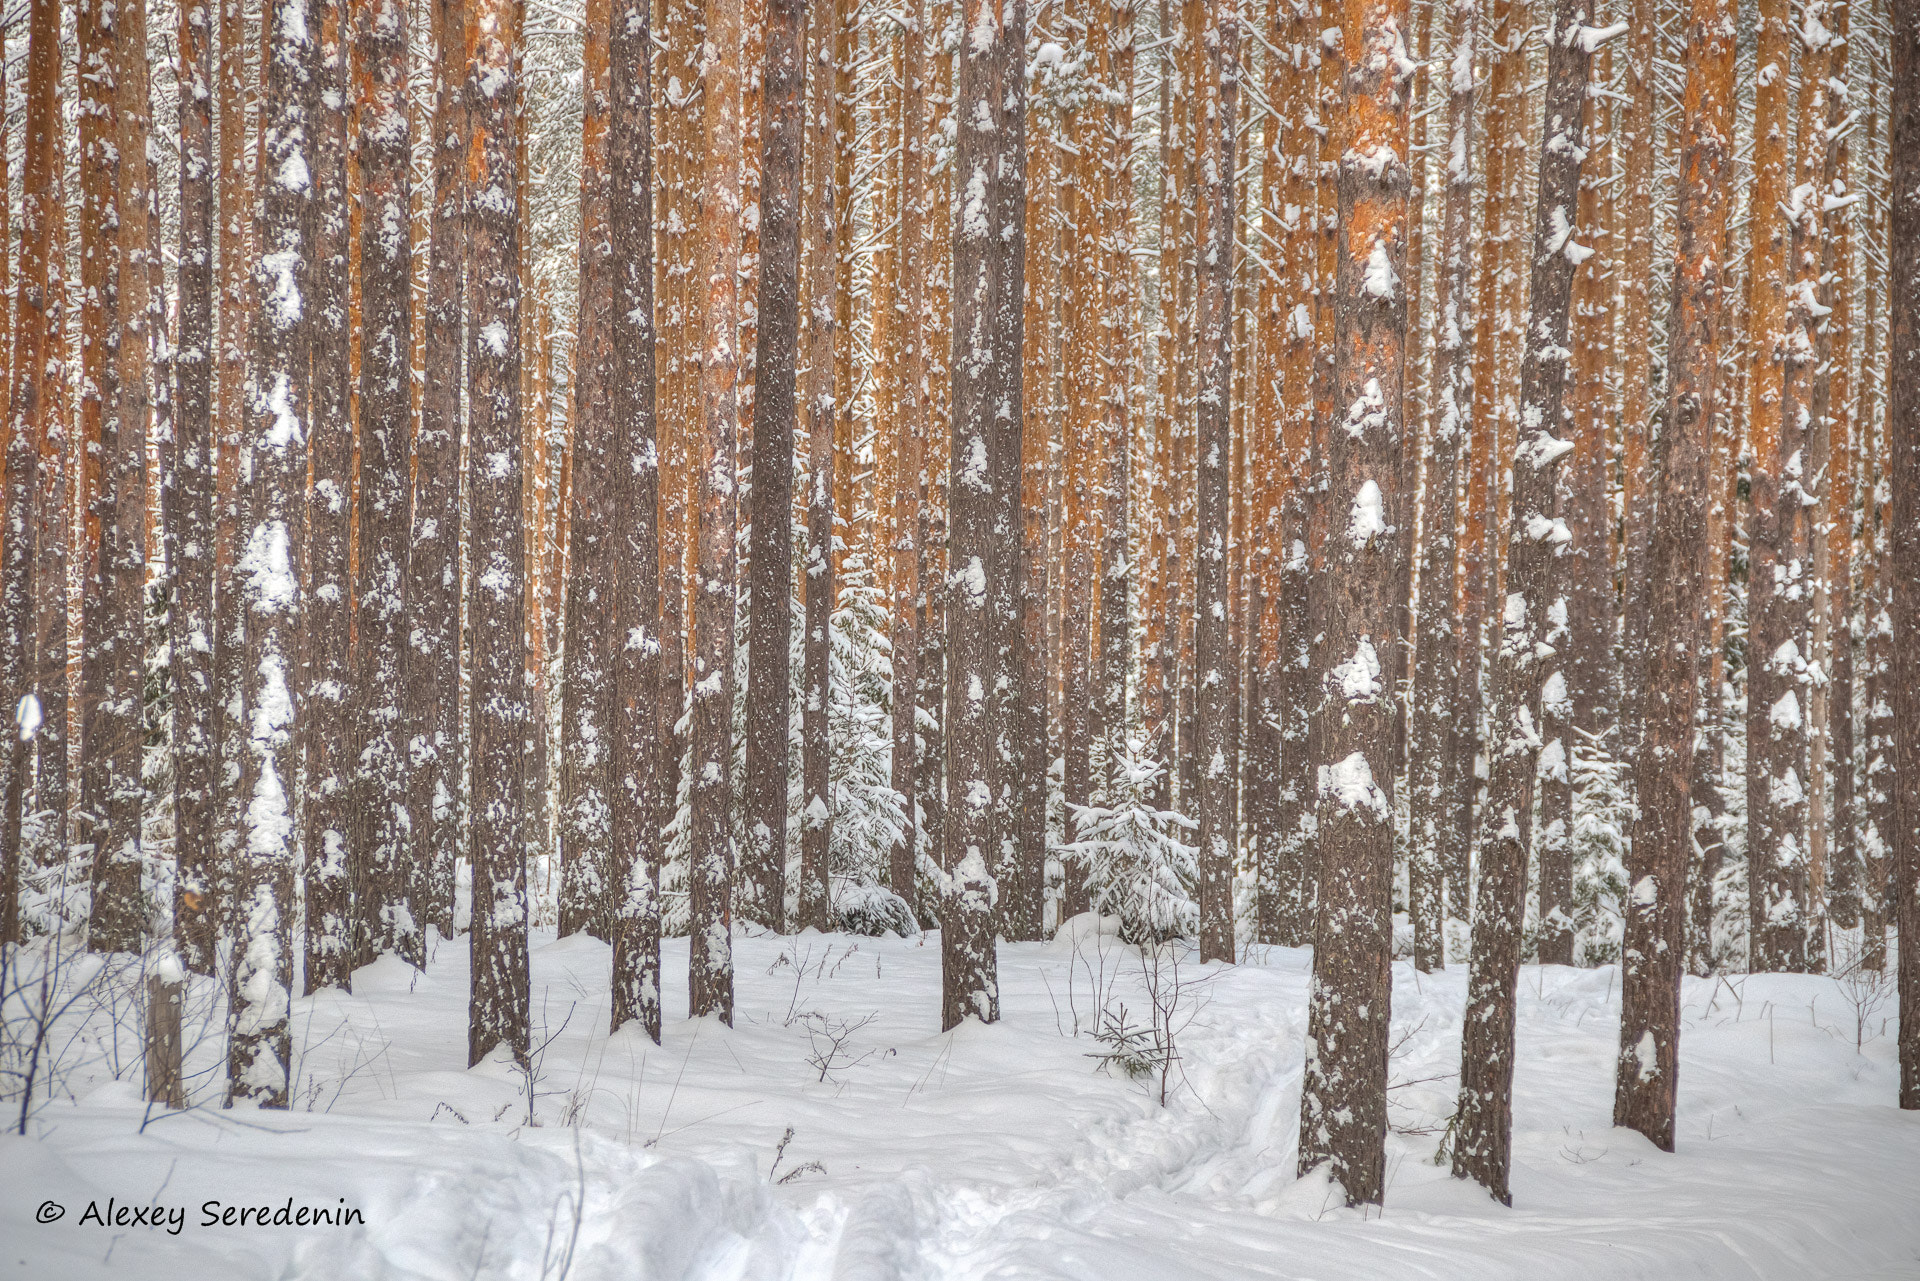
{"points": [[1138, 869]]}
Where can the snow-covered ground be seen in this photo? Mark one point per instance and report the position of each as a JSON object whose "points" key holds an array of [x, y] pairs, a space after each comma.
{"points": [[834, 1132]]}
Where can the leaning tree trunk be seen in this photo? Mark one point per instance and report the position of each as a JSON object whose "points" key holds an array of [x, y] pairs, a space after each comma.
{"points": [[1343, 1101], [434, 749], [637, 802], [497, 1014], [770, 557], [327, 616], [1212, 643], [259, 1051], [710, 874], [1644, 1079], [1525, 675], [988, 261], [1437, 703], [1903, 444]]}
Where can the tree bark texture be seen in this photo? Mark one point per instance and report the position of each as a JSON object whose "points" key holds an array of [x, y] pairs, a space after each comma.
{"points": [[1343, 1096], [1644, 1080]]}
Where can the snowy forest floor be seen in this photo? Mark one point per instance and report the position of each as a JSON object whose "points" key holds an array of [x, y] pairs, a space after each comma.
{"points": [[834, 1132]]}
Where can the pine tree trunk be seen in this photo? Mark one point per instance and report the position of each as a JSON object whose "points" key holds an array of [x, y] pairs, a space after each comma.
{"points": [[1195, 74], [638, 801], [259, 1053], [777, 332], [1677, 555], [988, 257], [1832, 404], [1159, 698], [1211, 599], [36, 364], [1116, 560], [1270, 483], [1023, 882], [587, 733], [238, 197], [820, 219], [1006, 452], [1343, 1095], [435, 751], [1780, 547], [1877, 748], [109, 729], [1081, 438], [1903, 446], [387, 918], [1588, 643], [54, 536], [1294, 817], [190, 546], [907, 492], [1526, 677], [711, 870], [498, 1011], [326, 616], [1438, 705]]}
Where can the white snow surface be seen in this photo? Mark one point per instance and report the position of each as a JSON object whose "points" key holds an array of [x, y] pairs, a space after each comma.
{"points": [[991, 1152]]}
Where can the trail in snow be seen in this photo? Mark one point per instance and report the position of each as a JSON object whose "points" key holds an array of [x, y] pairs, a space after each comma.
{"points": [[1001, 1152]]}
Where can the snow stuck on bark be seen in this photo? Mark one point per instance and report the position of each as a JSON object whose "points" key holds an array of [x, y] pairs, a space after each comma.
{"points": [[1349, 783]]}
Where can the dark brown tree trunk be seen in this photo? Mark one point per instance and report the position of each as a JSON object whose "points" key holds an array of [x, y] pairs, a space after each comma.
{"points": [[37, 365], [259, 1052], [1526, 677], [821, 251], [1644, 1078], [57, 468], [1343, 1106], [1834, 418], [1588, 640], [327, 617], [1293, 913], [1212, 605], [108, 819], [711, 871], [638, 802], [190, 545], [587, 733], [238, 198], [1438, 706], [770, 568], [1023, 887], [988, 264], [1780, 547], [435, 751], [908, 337], [387, 918], [498, 1011], [1903, 445], [1116, 559]]}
